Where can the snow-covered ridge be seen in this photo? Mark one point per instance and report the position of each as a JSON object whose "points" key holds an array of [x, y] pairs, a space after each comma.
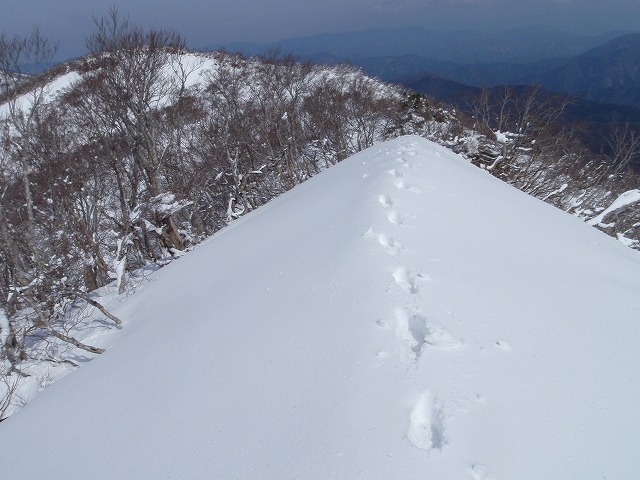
{"points": [[127, 159], [401, 315], [196, 68], [217, 164]]}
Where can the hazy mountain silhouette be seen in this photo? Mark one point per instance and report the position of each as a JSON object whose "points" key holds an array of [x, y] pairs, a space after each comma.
{"points": [[609, 73], [460, 46], [604, 68]]}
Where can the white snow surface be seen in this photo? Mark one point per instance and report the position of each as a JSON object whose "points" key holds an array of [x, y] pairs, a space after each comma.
{"points": [[49, 93], [403, 315], [624, 199], [4, 327]]}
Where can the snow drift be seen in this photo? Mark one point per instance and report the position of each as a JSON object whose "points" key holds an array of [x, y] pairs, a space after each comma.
{"points": [[401, 315]]}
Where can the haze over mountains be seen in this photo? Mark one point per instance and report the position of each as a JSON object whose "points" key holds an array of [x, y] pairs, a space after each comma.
{"points": [[609, 73], [602, 68], [461, 46]]}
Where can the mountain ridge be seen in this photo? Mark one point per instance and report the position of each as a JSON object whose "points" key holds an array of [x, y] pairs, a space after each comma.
{"points": [[348, 111], [463, 46], [608, 73], [603, 68], [363, 329]]}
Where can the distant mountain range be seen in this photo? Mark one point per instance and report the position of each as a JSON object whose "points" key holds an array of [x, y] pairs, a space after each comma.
{"points": [[459, 46], [604, 68], [609, 73]]}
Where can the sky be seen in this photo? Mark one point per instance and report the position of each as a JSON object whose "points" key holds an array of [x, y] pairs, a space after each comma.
{"points": [[220, 21]]}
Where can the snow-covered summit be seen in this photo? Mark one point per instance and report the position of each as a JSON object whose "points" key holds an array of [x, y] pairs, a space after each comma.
{"points": [[401, 315]]}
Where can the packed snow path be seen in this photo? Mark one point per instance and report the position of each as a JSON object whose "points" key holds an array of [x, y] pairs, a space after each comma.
{"points": [[402, 315], [414, 332]]}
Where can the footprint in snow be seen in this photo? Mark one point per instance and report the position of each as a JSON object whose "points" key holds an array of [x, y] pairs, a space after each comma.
{"points": [[414, 334], [411, 334], [385, 201], [391, 246], [402, 185], [479, 472], [395, 217], [426, 423], [395, 172], [406, 280]]}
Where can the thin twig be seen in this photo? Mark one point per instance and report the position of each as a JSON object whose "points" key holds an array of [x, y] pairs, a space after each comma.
{"points": [[100, 307]]}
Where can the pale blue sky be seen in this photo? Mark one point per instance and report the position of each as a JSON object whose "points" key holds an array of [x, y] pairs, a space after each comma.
{"points": [[215, 21]]}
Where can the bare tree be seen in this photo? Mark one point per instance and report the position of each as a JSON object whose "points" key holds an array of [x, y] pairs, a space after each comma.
{"points": [[624, 147], [22, 112], [124, 103], [534, 150], [36, 257]]}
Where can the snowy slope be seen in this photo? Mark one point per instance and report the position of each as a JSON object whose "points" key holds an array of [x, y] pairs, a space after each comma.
{"points": [[403, 315]]}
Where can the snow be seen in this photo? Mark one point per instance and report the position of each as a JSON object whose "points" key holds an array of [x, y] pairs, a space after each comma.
{"points": [[629, 242], [50, 92], [4, 327], [501, 137], [487, 335], [627, 198], [561, 189]]}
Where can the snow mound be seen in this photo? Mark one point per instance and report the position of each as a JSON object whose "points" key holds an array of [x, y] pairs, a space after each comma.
{"points": [[401, 315]]}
